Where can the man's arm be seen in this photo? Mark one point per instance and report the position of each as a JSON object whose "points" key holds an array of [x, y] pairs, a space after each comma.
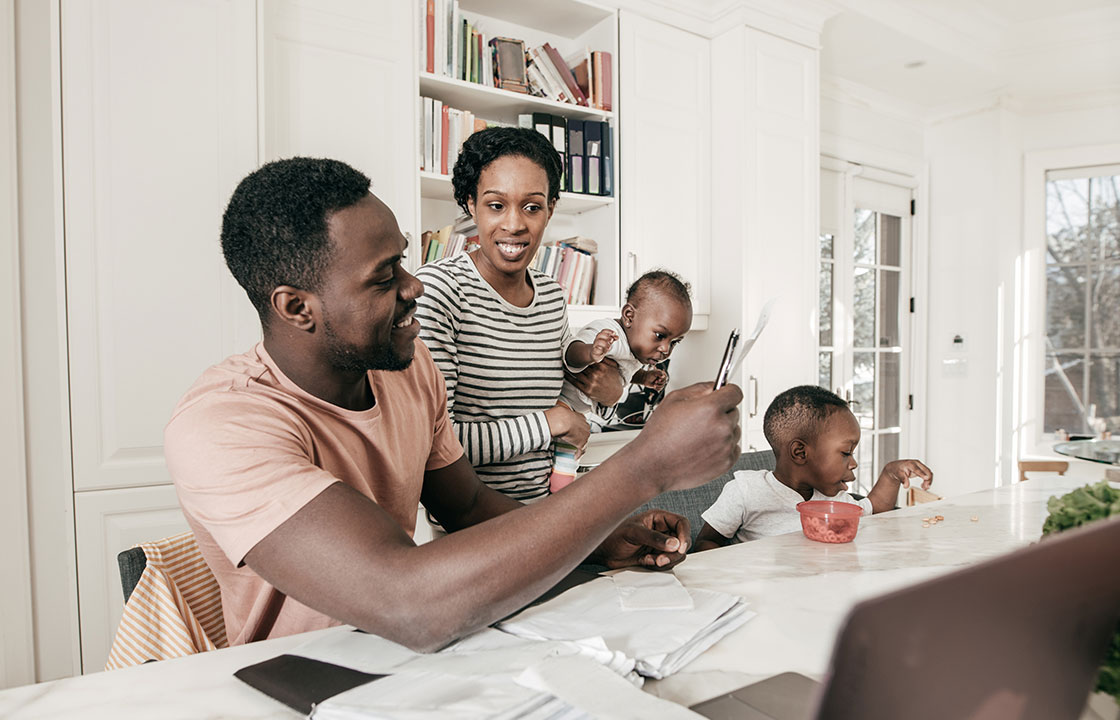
{"points": [[343, 555]]}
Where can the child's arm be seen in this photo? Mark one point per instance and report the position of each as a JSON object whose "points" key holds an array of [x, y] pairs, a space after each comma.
{"points": [[897, 473], [654, 378], [581, 354], [709, 539]]}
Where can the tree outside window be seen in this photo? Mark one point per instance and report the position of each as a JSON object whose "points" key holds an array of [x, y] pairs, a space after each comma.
{"points": [[1082, 379]]}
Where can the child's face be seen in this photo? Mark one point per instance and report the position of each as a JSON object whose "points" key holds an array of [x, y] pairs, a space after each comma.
{"points": [[655, 326], [831, 458]]}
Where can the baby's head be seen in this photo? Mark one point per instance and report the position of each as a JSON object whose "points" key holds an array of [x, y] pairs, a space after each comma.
{"points": [[814, 435], [657, 314]]}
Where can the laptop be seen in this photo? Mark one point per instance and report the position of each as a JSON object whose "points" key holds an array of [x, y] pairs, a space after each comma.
{"points": [[1018, 637]]}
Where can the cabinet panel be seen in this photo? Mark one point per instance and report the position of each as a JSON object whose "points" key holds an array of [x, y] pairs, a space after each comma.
{"points": [[339, 83], [665, 150], [159, 124], [109, 521]]}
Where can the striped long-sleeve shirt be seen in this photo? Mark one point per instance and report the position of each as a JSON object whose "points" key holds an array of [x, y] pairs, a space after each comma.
{"points": [[503, 369]]}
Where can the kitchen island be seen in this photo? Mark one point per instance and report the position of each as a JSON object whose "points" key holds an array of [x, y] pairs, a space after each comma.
{"points": [[800, 589]]}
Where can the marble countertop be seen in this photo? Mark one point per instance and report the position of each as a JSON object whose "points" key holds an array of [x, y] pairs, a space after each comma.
{"points": [[800, 589]]}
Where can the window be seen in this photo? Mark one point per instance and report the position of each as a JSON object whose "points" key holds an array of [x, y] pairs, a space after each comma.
{"points": [[1082, 315], [864, 347]]}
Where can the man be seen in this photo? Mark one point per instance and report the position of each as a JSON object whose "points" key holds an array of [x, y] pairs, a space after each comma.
{"points": [[299, 465]]}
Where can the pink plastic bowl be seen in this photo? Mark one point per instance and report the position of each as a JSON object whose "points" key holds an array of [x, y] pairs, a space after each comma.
{"points": [[829, 521]]}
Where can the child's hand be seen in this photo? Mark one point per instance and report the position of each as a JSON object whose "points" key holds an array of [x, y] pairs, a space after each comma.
{"points": [[654, 378], [602, 344], [899, 472]]}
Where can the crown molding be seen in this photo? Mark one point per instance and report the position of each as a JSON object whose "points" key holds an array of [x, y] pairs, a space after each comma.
{"points": [[801, 21]]}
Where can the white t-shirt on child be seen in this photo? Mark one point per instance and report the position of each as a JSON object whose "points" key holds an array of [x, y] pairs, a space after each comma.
{"points": [[756, 504], [619, 352]]}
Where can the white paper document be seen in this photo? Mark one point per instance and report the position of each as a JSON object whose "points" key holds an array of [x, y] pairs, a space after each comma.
{"points": [[746, 345]]}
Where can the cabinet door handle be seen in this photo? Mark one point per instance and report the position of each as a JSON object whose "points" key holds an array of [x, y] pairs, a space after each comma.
{"points": [[754, 391], [633, 274]]}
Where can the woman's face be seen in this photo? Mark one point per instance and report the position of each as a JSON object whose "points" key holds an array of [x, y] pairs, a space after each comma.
{"points": [[511, 209]]}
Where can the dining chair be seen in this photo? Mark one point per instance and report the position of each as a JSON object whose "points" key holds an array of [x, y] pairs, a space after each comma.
{"points": [[1026, 466], [173, 605]]}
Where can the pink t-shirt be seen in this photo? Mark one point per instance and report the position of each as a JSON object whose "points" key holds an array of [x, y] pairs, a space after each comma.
{"points": [[247, 448]]}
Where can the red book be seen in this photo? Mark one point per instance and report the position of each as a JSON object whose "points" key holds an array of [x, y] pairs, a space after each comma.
{"points": [[430, 28], [565, 74], [604, 83]]}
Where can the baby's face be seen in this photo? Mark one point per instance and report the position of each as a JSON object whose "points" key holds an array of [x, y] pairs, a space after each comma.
{"points": [[655, 326], [831, 457]]}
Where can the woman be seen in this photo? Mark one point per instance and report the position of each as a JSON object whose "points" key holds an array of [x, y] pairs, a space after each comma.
{"points": [[495, 327]]}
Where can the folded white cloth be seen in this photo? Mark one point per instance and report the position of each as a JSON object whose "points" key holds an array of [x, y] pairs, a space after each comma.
{"points": [[659, 641], [644, 590]]}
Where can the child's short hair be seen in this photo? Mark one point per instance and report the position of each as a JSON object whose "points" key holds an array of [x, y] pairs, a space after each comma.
{"points": [[799, 413], [664, 281]]}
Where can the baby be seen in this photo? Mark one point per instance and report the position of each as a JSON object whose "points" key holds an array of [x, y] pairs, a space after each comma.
{"points": [[814, 437], [656, 316]]}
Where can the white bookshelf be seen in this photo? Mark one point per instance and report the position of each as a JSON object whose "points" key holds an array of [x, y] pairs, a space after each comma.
{"points": [[570, 26]]}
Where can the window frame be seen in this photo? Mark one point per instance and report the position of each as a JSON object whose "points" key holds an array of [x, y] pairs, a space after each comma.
{"points": [[1029, 345]]}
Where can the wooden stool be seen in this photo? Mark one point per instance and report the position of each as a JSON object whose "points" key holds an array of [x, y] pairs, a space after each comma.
{"points": [[1026, 466]]}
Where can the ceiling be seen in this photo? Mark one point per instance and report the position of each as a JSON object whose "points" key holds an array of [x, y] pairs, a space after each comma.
{"points": [[937, 55]]}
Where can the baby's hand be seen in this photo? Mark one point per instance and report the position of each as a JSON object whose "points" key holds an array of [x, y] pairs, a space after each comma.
{"points": [[900, 471], [602, 345], [655, 378]]}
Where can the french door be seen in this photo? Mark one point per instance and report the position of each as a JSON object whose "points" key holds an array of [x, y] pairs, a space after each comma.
{"points": [[864, 345]]}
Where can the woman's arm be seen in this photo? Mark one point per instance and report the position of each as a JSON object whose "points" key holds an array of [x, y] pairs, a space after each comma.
{"points": [[485, 441]]}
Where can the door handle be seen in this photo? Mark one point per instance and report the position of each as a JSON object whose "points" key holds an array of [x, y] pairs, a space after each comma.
{"points": [[754, 391], [848, 398]]}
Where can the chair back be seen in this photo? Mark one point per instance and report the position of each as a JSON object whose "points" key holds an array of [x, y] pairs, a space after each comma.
{"points": [[174, 607], [694, 501]]}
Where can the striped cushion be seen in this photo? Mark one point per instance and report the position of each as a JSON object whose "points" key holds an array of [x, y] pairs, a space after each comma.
{"points": [[175, 610]]}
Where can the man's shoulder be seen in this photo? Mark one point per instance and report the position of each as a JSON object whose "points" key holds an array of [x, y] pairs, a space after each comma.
{"points": [[241, 383]]}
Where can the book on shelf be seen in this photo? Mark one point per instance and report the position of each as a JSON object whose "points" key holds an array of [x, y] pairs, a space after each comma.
{"points": [[445, 130], [571, 262], [601, 68], [450, 240], [564, 73]]}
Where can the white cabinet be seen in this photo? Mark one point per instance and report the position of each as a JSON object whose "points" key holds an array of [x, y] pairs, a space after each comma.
{"points": [[665, 148], [159, 124], [110, 521], [338, 82], [766, 192]]}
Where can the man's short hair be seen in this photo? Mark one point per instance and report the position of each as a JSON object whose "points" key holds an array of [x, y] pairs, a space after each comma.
{"points": [[274, 230], [799, 412], [666, 282]]}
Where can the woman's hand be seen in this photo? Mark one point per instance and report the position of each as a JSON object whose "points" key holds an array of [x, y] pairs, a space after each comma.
{"points": [[602, 382], [568, 426]]}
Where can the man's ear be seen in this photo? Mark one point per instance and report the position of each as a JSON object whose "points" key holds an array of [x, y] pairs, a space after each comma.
{"points": [[798, 451], [627, 315], [297, 308]]}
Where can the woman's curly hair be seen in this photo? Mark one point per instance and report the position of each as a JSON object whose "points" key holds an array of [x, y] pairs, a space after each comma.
{"points": [[486, 146]]}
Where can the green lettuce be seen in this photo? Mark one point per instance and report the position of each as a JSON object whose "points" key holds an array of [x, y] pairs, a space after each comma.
{"points": [[1084, 505]]}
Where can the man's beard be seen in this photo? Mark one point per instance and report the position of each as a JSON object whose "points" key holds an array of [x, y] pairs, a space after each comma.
{"points": [[347, 358]]}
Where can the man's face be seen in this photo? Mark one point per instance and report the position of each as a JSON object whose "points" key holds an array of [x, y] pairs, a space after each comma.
{"points": [[831, 458], [368, 300]]}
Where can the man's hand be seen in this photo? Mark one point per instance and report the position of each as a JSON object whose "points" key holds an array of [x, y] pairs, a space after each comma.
{"points": [[690, 438], [602, 382], [899, 472], [655, 539], [602, 345]]}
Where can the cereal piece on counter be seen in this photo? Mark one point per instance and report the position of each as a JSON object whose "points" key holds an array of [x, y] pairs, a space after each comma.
{"points": [[939, 518], [974, 518]]}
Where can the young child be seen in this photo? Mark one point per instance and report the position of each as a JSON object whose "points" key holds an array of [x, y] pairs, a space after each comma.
{"points": [[814, 436], [656, 316]]}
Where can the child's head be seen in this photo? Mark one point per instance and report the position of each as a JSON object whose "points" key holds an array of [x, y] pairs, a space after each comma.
{"points": [[657, 314], [814, 434]]}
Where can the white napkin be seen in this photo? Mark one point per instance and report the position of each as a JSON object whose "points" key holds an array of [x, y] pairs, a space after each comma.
{"points": [[639, 590], [660, 641]]}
